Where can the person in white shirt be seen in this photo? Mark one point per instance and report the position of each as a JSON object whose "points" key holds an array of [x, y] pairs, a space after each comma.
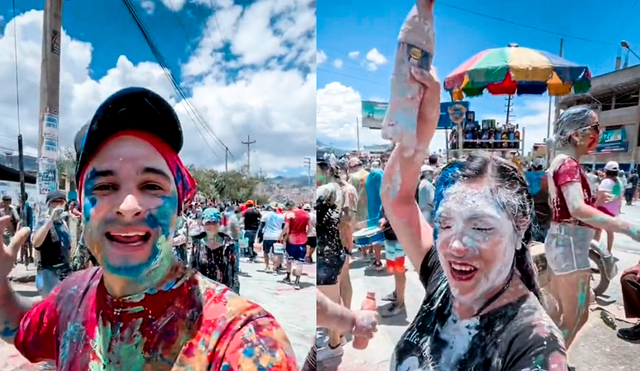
{"points": [[271, 226], [609, 201]]}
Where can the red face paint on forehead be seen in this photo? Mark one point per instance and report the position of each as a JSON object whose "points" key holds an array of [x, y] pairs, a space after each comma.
{"points": [[185, 184]]}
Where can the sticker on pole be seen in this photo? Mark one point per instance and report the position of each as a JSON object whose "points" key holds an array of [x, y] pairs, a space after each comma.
{"points": [[50, 127]]}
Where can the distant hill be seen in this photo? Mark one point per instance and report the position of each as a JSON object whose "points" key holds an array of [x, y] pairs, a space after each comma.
{"points": [[298, 181]]}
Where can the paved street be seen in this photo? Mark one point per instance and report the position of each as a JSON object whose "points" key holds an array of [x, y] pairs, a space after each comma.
{"points": [[294, 310], [597, 348]]}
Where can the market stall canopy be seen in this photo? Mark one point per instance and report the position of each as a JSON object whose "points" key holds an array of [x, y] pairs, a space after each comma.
{"points": [[517, 70]]}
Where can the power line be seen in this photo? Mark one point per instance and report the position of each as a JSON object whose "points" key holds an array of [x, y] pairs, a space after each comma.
{"points": [[524, 25], [191, 110]]}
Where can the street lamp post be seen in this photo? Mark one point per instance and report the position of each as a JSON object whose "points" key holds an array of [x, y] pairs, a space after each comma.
{"points": [[625, 45]]}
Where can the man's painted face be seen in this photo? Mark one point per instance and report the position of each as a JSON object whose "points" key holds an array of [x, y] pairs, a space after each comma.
{"points": [[476, 241], [130, 207], [57, 204], [6, 203], [211, 227]]}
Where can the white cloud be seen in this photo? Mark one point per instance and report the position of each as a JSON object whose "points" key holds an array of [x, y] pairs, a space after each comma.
{"points": [[321, 57], [148, 5], [375, 59], [338, 63], [269, 102], [354, 54], [338, 108], [174, 5]]}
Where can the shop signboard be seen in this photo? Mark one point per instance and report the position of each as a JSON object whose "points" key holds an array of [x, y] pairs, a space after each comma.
{"points": [[613, 140]]}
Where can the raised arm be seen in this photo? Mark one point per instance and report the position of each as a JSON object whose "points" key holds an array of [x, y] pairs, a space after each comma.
{"points": [[573, 193], [12, 306], [403, 171]]}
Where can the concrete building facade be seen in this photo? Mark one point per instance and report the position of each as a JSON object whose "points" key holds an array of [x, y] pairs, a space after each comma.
{"points": [[617, 93]]}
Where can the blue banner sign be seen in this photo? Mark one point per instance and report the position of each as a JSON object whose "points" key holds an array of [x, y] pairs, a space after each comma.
{"points": [[445, 118]]}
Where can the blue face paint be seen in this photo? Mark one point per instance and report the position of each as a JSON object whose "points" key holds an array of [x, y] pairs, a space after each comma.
{"points": [[89, 201], [448, 177], [159, 218], [156, 219]]}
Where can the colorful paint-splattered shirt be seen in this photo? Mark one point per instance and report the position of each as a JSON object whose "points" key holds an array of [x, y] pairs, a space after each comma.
{"points": [[518, 336], [567, 170], [190, 324]]}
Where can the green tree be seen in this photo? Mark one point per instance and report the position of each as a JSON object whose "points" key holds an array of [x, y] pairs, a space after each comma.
{"points": [[231, 186], [67, 166]]}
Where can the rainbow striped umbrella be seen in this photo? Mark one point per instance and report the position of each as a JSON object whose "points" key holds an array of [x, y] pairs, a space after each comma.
{"points": [[517, 70]]}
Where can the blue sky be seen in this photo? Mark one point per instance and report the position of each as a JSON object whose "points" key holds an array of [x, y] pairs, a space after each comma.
{"points": [[249, 71], [112, 31], [360, 25]]}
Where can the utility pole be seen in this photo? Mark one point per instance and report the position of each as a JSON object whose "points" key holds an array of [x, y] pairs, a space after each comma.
{"points": [[307, 162], [49, 100], [226, 159], [551, 98], [248, 143], [358, 133]]}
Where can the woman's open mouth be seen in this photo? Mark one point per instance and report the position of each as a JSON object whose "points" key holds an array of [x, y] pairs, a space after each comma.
{"points": [[462, 271], [131, 239]]}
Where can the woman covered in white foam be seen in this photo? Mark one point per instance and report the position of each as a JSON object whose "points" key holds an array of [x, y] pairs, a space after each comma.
{"points": [[482, 308]]}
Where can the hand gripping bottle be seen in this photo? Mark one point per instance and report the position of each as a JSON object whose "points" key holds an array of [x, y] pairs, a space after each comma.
{"points": [[369, 303], [415, 49]]}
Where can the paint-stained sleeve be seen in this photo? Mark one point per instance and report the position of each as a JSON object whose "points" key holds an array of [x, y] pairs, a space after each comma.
{"points": [[35, 338], [567, 173], [260, 345]]}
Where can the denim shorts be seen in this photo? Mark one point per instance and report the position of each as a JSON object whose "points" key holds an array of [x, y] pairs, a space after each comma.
{"points": [[567, 247]]}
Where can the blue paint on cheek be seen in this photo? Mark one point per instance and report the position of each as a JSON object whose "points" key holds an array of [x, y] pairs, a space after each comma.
{"points": [[159, 218], [89, 201]]}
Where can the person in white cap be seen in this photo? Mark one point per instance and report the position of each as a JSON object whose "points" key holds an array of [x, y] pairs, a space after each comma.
{"points": [[426, 191], [609, 201]]}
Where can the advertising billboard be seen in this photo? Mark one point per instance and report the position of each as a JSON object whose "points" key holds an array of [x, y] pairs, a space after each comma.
{"points": [[373, 113], [613, 140]]}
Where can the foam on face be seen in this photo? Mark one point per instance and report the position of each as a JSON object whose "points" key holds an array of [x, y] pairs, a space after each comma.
{"points": [[469, 219]]}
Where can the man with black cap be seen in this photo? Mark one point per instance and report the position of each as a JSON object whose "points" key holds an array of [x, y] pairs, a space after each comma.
{"points": [[141, 309], [53, 241]]}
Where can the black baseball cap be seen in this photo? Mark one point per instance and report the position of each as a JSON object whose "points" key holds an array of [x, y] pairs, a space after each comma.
{"points": [[128, 109]]}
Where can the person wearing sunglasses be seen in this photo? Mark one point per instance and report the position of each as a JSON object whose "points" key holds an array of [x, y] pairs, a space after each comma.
{"points": [[575, 220]]}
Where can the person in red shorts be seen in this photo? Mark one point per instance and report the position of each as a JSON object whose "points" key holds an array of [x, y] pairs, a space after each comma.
{"points": [[296, 226], [141, 309], [394, 255]]}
